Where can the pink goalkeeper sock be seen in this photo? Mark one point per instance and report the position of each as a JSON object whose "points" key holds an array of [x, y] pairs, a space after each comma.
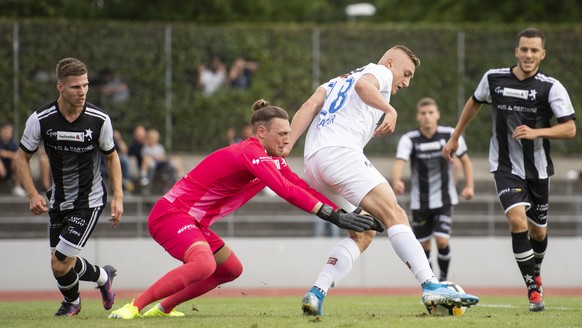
{"points": [[227, 271], [200, 264]]}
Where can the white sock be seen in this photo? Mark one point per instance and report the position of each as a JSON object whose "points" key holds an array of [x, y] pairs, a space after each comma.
{"points": [[341, 259], [102, 277], [410, 252]]}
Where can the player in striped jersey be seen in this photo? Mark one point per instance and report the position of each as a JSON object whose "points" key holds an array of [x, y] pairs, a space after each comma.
{"points": [[523, 100], [433, 192], [75, 134]]}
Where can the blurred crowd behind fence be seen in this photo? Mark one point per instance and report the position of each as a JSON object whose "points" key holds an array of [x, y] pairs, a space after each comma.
{"points": [[159, 64]]}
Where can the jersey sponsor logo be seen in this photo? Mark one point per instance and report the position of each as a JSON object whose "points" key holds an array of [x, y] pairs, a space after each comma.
{"points": [[72, 231], [508, 190], [332, 260], [427, 146], [429, 155], [78, 221], [70, 136], [187, 227], [514, 93], [522, 109], [261, 159], [323, 121], [88, 134]]}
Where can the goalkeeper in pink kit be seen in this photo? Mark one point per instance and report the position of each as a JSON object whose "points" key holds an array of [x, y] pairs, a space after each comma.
{"points": [[225, 180]]}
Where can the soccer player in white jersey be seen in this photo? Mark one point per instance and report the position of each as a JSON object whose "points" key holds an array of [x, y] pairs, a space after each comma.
{"points": [[433, 191], [343, 115], [523, 101]]}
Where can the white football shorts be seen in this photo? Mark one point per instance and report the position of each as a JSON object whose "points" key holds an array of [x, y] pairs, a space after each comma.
{"points": [[343, 175]]}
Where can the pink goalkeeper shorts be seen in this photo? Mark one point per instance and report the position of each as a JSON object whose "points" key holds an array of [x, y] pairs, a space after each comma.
{"points": [[176, 231]]}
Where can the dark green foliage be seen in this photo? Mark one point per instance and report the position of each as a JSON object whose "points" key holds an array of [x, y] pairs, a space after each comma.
{"points": [[286, 76]]}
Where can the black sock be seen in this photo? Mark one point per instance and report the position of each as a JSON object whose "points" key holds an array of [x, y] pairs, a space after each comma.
{"points": [[539, 248], [86, 270], [524, 257], [69, 285], [444, 258]]}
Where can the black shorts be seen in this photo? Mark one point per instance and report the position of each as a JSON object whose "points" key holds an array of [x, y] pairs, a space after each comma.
{"points": [[531, 193], [72, 226], [436, 221]]}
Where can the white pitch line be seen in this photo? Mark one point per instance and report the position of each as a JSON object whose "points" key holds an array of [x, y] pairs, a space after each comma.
{"points": [[515, 306]]}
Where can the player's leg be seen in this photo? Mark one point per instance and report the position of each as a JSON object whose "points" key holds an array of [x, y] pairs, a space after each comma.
{"points": [[514, 198], [537, 224], [228, 269], [381, 202], [442, 219], [537, 230], [68, 283], [68, 233], [422, 226], [102, 276], [324, 171], [182, 239]]}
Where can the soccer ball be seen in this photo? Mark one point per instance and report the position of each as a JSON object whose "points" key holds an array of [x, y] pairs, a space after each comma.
{"points": [[446, 310]]}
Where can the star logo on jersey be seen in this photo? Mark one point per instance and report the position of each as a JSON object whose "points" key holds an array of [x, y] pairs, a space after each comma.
{"points": [[528, 278], [89, 134], [532, 94]]}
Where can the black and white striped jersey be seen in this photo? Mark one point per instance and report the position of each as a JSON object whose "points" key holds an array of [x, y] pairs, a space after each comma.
{"points": [[432, 182], [74, 152], [532, 102]]}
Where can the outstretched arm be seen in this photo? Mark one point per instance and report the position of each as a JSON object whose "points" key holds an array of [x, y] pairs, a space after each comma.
{"points": [[304, 116], [469, 112]]}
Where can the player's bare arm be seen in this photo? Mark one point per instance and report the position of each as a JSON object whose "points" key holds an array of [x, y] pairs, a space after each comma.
{"points": [[302, 119], [114, 171], [397, 183], [36, 202], [565, 130], [469, 190], [469, 112], [368, 88]]}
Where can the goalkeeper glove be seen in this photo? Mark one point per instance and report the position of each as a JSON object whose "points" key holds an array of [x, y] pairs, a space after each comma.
{"points": [[351, 221]]}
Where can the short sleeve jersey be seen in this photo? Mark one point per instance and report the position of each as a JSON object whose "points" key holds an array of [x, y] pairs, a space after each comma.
{"points": [[345, 120], [74, 151], [432, 183], [230, 176], [532, 102]]}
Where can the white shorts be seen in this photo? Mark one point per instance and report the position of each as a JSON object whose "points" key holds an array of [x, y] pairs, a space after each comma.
{"points": [[343, 175]]}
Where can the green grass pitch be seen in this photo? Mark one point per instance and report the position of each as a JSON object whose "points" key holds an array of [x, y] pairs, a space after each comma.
{"points": [[339, 311]]}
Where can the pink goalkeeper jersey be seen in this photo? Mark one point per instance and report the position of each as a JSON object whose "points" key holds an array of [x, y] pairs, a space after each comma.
{"points": [[229, 177]]}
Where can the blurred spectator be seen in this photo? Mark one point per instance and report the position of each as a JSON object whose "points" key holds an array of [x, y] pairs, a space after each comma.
{"points": [[122, 151], [8, 149], [139, 139], [212, 77], [241, 73], [155, 162], [112, 89], [232, 137]]}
